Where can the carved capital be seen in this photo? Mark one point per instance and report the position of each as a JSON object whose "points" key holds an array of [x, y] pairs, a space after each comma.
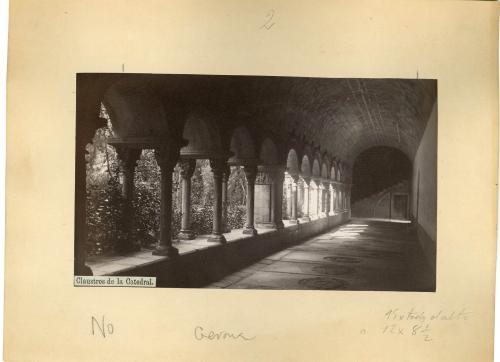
{"points": [[187, 168], [127, 157], [166, 157], [251, 174], [218, 166]]}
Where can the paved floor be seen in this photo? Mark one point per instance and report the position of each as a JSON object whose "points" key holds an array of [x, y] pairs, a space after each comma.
{"points": [[359, 255]]}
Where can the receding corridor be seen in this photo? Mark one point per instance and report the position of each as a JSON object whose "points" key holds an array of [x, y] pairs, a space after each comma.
{"points": [[360, 255]]}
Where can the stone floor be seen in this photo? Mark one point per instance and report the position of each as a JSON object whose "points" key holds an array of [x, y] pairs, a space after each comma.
{"points": [[359, 255]]}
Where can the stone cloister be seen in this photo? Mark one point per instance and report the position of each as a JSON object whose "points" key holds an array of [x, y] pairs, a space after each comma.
{"points": [[292, 137]]}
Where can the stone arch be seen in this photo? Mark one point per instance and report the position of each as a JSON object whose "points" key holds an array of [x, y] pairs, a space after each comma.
{"points": [[203, 139], [324, 171], [292, 163], [242, 147], [135, 111], [333, 175], [305, 166], [268, 154], [316, 169]]}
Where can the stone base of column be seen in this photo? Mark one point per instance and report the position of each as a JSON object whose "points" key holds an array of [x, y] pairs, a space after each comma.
{"points": [[269, 225], [216, 238], [331, 213], [168, 251], [294, 221], [186, 235], [305, 219], [250, 231]]}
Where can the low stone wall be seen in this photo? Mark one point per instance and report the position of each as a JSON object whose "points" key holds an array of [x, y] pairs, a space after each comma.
{"points": [[201, 267]]}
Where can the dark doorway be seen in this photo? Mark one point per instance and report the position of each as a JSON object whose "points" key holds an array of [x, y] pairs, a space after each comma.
{"points": [[400, 206], [381, 184]]}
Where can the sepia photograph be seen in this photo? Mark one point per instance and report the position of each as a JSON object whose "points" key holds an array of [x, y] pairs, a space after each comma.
{"points": [[256, 182]]}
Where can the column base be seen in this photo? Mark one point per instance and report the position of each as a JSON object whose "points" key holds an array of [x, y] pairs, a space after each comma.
{"points": [[186, 235], [305, 218], [217, 238], [169, 251], [250, 231], [270, 225], [294, 221]]}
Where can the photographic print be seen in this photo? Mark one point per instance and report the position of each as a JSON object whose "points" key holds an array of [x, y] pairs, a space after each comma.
{"points": [[256, 182]]}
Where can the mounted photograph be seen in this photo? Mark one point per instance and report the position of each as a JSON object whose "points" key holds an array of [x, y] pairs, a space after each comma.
{"points": [[255, 182]]}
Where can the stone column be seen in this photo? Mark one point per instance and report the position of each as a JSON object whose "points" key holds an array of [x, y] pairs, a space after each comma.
{"points": [[306, 194], [187, 169], [320, 200], [127, 160], [80, 210], [225, 179], [250, 173], [166, 161], [268, 197], [288, 183], [293, 199], [218, 166], [332, 200], [278, 175]]}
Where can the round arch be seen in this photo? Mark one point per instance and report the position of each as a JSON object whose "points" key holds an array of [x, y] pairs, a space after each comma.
{"points": [[242, 148], [135, 111], [292, 162], [268, 154], [316, 169], [203, 139], [305, 166]]}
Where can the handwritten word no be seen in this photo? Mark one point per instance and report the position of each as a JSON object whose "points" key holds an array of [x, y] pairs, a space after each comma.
{"points": [[103, 327]]}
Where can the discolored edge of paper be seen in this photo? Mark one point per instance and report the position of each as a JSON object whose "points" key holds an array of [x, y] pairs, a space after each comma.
{"points": [[47, 318]]}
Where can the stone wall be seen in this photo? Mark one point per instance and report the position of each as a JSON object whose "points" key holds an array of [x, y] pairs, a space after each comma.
{"points": [[201, 267], [424, 188], [379, 205]]}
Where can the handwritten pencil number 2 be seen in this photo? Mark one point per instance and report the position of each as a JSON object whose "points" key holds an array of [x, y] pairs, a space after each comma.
{"points": [[269, 20]]}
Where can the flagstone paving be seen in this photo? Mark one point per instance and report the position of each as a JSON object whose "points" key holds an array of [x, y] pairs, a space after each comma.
{"points": [[359, 255]]}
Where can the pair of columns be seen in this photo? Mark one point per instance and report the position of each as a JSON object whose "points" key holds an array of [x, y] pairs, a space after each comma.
{"points": [[167, 164], [221, 172], [269, 196]]}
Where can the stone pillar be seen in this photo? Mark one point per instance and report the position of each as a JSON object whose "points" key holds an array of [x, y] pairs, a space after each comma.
{"points": [[320, 200], [218, 166], [80, 210], [127, 160], [332, 200], [306, 194], [187, 169], [166, 161], [293, 199], [225, 179], [288, 183], [279, 175], [268, 197], [250, 173]]}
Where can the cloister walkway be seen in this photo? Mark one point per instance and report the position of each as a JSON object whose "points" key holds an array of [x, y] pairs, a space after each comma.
{"points": [[359, 255]]}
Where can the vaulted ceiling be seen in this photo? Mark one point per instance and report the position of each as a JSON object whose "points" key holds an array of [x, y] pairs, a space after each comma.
{"points": [[340, 116]]}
